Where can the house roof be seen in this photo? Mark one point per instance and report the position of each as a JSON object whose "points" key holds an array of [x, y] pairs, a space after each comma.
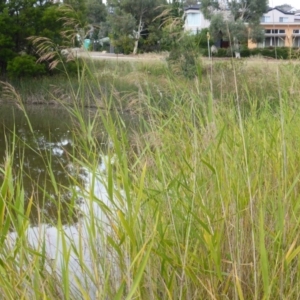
{"points": [[198, 6], [280, 10], [192, 7], [285, 7]]}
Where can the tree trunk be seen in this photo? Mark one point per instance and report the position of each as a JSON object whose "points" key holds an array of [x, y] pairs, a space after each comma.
{"points": [[137, 36], [135, 49]]}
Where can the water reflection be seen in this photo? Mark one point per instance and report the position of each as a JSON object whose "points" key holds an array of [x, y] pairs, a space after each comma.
{"points": [[42, 156], [45, 153], [84, 241]]}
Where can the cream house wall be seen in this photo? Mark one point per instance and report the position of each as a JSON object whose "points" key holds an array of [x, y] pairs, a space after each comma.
{"points": [[195, 21], [274, 16], [281, 29]]}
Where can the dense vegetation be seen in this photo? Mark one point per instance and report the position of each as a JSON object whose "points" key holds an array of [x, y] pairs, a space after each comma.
{"points": [[268, 52], [198, 198], [68, 24], [130, 26], [234, 27], [20, 20], [202, 198]]}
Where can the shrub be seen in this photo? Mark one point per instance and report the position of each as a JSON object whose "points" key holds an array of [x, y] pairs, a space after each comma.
{"points": [[222, 52], [245, 52], [71, 67], [204, 52], [25, 66], [255, 51], [123, 44], [201, 39], [183, 62], [278, 53], [267, 52], [283, 52], [184, 57]]}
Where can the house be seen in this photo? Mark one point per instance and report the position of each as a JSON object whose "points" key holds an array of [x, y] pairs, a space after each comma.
{"points": [[195, 22], [282, 29], [194, 19]]}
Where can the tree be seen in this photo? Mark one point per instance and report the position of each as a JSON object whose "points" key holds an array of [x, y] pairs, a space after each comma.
{"points": [[79, 7], [134, 18], [96, 18], [122, 25], [172, 24], [232, 15], [96, 12], [22, 19], [7, 44]]}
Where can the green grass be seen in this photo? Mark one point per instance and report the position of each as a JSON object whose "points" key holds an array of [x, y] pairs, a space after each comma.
{"points": [[204, 191]]}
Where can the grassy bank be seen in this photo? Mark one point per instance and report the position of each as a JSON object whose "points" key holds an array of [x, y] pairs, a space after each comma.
{"points": [[202, 201]]}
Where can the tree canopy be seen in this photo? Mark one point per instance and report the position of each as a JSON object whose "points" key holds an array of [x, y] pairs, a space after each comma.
{"points": [[131, 24], [135, 20], [235, 16], [22, 19]]}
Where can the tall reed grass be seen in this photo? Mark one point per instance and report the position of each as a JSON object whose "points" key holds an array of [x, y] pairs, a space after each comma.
{"points": [[201, 200]]}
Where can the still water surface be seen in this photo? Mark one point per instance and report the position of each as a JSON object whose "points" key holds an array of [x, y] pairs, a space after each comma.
{"points": [[46, 150], [51, 142]]}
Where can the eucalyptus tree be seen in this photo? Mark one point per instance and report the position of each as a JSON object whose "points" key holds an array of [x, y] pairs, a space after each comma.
{"points": [[237, 16], [134, 18], [96, 12], [79, 7]]}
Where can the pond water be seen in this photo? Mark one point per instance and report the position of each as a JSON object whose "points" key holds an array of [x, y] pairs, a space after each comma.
{"points": [[47, 144], [50, 141]]}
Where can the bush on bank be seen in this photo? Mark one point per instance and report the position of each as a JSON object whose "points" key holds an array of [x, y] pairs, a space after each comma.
{"points": [[269, 52], [25, 66]]}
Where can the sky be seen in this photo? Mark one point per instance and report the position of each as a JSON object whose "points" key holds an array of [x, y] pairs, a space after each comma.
{"points": [[272, 3], [294, 3]]}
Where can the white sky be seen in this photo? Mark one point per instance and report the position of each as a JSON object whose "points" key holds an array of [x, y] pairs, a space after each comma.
{"points": [[272, 3], [294, 3]]}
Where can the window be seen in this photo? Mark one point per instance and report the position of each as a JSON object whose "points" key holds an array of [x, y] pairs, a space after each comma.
{"points": [[297, 31], [265, 19], [275, 31], [261, 45], [194, 31], [193, 20], [274, 41], [283, 19], [280, 42], [296, 42]]}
